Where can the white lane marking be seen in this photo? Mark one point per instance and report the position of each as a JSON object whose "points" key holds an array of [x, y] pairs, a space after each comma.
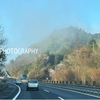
{"points": [[60, 98], [75, 91], [46, 90], [17, 93]]}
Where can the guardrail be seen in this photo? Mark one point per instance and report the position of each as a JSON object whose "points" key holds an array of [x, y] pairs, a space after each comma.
{"points": [[85, 89], [86, 83]]}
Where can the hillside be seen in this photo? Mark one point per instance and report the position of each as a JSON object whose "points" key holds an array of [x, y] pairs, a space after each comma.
{"points": [[53, 50]]}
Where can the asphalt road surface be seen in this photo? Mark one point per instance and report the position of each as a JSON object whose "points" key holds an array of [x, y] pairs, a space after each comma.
{"points": [[48, 93]]}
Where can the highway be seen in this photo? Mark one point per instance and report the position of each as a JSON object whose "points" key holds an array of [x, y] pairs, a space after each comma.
{"points": [[48, 93]]}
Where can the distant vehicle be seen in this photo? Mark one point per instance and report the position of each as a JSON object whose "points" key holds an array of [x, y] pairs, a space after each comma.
{"points": [[23, 76], [32, 84], [18, 81]]}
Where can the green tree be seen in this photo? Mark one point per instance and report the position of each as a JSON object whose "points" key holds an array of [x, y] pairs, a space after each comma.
{"points": [[26, 71], [92, 45], [51, 59], [58, 58], [12, 61], [47, 52]]}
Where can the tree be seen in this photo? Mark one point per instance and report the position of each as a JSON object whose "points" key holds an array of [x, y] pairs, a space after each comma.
{"points": [[12, 61], [26, 71], [2, 52], [92, 45], [58, 58], [47, 52], [51, 59]]}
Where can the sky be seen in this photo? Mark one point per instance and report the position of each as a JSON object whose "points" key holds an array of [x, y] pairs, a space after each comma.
{"points": [[27, 21]]}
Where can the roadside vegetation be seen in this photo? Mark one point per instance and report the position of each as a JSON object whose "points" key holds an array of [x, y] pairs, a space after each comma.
{"points": [[3, 42]]}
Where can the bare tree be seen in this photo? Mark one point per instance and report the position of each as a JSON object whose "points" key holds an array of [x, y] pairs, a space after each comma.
{"points": [[3, 41]]}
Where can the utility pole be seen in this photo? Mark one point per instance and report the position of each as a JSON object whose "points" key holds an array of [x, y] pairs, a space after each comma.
{"points": [[65, 80], [55, 71], [78, 74], [93, 46]]}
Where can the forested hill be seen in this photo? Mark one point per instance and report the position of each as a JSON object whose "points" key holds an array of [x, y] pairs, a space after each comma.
{"points": [[59, 42], [64, 39]]}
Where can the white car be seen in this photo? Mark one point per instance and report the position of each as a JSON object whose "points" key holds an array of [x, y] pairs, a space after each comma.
{"points": [[18, 81], [32, 84]]}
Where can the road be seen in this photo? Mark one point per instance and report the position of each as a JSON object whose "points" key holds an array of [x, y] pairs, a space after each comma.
{"points": [[49, 93]]}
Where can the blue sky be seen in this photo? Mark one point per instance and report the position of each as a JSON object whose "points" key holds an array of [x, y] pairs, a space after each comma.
{"points": [[27, 21]]}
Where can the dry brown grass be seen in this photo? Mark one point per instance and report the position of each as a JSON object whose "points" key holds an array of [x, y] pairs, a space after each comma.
{"points": [[84, 74]]}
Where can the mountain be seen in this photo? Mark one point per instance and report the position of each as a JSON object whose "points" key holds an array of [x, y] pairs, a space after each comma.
{"points": [[59, 42]]}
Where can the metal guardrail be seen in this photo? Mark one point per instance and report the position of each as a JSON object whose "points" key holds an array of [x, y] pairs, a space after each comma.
{"points": [[86, 86], [84, 89]]}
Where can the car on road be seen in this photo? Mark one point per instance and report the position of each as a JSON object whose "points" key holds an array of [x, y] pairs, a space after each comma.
{"points": [[18, 81], [32, 84]]}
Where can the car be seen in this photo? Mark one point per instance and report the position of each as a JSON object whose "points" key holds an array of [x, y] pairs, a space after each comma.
{"points": [[18, 81], [32, 84]]}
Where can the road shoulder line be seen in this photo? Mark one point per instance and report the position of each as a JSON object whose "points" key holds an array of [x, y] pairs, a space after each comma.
{"points": [[46, 90], [60, 98]]}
